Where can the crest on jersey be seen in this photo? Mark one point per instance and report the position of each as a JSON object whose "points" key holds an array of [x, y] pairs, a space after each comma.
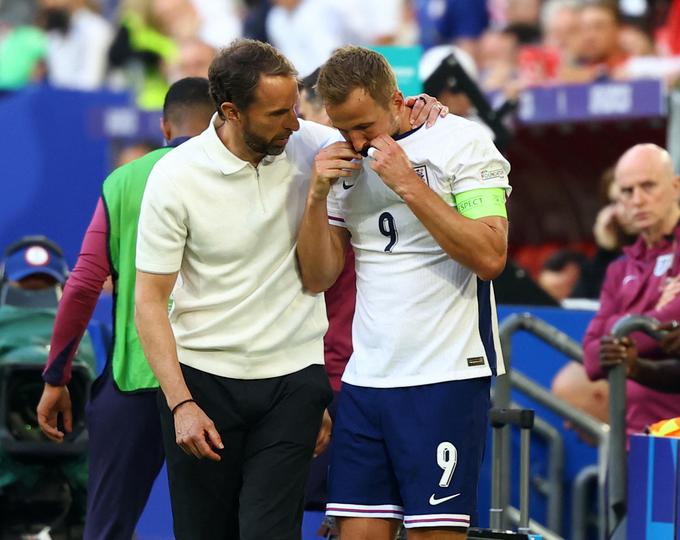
{"points": [[421, 170]]}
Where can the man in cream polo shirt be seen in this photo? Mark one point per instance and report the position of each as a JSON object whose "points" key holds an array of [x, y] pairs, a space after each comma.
{"points": [[239, 359]]}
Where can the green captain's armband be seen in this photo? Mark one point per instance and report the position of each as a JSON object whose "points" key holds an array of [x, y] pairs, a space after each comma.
{"points": [[479, 203]]}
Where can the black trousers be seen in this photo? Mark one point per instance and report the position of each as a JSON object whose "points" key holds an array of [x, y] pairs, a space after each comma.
{"points": [[269, 429], [125, 455]]}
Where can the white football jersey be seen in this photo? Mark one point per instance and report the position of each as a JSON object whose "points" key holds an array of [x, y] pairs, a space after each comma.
{"points": [[421, 317]]}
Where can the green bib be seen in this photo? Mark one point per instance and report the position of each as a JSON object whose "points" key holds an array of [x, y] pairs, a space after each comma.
{"points": [[122, 195]]}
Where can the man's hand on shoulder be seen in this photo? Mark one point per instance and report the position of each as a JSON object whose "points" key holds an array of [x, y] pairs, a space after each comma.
{"points": [[55, 400], [424, 109]]}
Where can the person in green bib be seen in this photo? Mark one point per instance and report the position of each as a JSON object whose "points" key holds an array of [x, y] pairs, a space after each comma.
{"points": [[126, 450]]}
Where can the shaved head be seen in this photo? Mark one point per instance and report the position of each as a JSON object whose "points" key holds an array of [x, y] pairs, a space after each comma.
{"points": [[650, 154], [649, 190]]}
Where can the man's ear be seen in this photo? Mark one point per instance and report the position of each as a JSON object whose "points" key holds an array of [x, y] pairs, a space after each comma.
{"points": [[676, 182], [229, 111], [166, 129], [398, 99]]}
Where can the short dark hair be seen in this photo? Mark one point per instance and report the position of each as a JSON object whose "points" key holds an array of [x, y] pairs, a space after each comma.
{"points": [[184, 96], [236, 70], [353, 67], [308, 84]]}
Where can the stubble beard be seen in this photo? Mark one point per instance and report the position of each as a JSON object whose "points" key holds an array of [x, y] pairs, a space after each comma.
{"points": [[261, 146]]}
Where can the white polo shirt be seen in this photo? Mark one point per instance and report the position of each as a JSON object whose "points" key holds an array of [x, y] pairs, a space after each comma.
{"points": [[230, 229]]}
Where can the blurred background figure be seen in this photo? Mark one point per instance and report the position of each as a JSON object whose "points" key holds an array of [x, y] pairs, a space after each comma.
{"points": [[133, 151], [613, 229], [340, 303], [452, 95], [44, 497], [219, 23], [308, 31], [311, 106], [600, 52], [78, 40], [194, 59], [560, 273], [592, 397], [561, 38], [458, 22], [498, 61], [33, 273], [22, 56], [146, 46]]}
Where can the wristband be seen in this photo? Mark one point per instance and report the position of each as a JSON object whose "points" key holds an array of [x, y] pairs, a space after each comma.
{"points": [[190, 400]]}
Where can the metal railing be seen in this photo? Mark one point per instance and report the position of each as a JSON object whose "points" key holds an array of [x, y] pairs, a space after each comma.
{"points": [[610, 438], [618, 464], [599, 431], [579, 501]]}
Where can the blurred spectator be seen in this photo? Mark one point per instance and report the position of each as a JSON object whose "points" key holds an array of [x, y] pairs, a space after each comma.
{"points": [[498, 54], [311, 106], [78, 41], [560, 27], [451, 21], [145, 46], [516, 287], [635, 41], [133, 151], [194, 59], [18, 12], [560, 273], [526, 12], [571, 384], [308, 31], [340, 303], [643, 63], [612, 230], [22, 54], [600, 45], [219, 24], [33, 272], [600, 52], [255, 20], [668, 36], [452, 93]]}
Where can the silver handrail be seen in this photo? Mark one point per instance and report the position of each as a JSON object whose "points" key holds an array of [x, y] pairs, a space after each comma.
{"points": [[618, 469], [550, 434], [593, 427], [579, 501], [534, 526]]}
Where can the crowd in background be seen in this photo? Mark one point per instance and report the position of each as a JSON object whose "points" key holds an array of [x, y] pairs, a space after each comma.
{"points": [[504, 45], [508, 45]]}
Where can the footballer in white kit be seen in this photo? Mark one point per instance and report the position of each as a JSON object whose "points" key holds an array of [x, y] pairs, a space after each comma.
{"points": [[426, 218]]}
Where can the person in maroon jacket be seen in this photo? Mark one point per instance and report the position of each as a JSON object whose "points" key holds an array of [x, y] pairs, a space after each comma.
{"points": [[340, 303], [659, 374], [645, 279]]}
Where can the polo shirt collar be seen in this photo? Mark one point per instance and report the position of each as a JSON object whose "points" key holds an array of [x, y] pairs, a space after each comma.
{"points": [[227, 162]]}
